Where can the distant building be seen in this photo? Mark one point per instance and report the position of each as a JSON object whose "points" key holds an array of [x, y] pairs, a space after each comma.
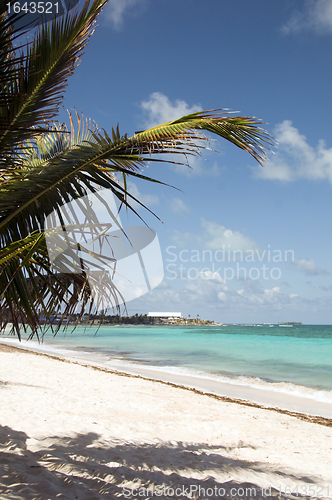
{"points": [[168, 315]]}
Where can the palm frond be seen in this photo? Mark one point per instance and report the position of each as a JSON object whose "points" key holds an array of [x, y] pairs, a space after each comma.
{"points": [[33, 291], [60, 168], [88, 164], [45, 167], [36, 76], [181, 135]]}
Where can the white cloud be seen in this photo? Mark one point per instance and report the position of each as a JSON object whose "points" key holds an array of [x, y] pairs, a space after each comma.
{"points": [[148, 200], [115, 10], [187, 240], [217, 236], [254, 294], [316, 16], [309, 267], [295, 158], [178, 207], [211, 294], [222, 296], [251, 303], [159, 109], [267, 296], [212, 276]]}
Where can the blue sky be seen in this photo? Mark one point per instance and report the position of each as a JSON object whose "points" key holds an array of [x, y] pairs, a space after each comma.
{"points": [[151, 61]]}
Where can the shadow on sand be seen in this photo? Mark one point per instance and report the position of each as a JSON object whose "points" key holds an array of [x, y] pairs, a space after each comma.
{"points": [[86, 468]]}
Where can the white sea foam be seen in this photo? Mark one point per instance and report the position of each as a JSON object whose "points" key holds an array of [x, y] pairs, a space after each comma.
{"points": [[247, 381], [121, 363]]}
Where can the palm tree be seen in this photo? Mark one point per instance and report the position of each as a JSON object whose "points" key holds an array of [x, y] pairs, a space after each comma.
{"points": [[44, 165]]}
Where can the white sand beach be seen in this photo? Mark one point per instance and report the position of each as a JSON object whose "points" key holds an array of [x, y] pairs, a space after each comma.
{"points": [[69, 431]]}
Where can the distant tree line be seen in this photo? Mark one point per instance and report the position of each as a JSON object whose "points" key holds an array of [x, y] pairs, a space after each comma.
{"points": [[116, 319]]}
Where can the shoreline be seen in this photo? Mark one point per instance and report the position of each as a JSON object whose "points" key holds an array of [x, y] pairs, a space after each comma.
{"points": [[258, 398], [71, 429]]}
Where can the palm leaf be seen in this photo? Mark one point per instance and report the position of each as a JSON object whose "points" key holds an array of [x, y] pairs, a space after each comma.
{"points": [[44, 166], [33, 84], [93, 163], [32, 289], [181, 135]]}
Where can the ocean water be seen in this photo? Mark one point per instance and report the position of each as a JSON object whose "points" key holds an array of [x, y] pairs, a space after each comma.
{"points": [[294, 360]]}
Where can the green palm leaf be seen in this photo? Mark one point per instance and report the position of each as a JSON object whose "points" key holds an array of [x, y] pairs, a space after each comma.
{"points": [[32, 85]]}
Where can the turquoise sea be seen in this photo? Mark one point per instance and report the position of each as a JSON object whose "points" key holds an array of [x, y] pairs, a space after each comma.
{"points": [[295, 360]]}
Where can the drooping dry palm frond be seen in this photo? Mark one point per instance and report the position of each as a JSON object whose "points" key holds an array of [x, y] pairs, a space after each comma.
{"points": [[182, 134]]}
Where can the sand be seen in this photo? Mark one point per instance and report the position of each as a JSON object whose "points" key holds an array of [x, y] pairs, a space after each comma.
{"points": [[71, 431]]}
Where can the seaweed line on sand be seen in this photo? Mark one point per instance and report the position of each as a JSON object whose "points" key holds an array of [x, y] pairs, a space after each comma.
{"points": [[327, 422]]}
